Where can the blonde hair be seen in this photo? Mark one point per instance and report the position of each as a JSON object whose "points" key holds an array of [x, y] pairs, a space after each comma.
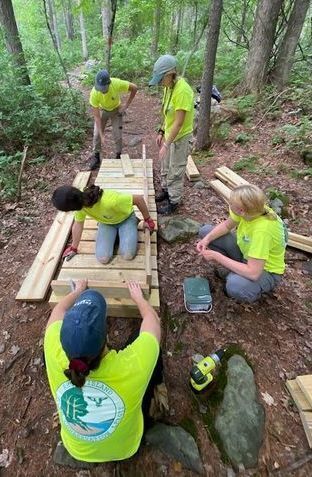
{"points": [[252, 200]]}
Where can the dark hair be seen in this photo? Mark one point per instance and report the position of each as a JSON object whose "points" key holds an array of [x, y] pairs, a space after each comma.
{"points": [[68, 198], [78, 377]]}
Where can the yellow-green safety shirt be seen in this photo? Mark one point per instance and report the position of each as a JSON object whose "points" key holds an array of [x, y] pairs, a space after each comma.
{"points": [[110, 100], [103, 420], [180, 97], [262, 238], [113, 207]]}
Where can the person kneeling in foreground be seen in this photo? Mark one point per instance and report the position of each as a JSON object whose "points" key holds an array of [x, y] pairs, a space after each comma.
{"points": [[255, 258], [114, 213], [100, 394]]}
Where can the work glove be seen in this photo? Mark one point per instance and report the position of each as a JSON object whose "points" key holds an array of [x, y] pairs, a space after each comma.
{"points": [[69, 253], [149, 224]]}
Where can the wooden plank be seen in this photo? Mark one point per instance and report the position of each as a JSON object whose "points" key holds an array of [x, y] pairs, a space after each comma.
{"points": [[124, 181], [108, 289], [298, 396], [191, 171], [116, 173], [229, 177], [88, 247], [299, 245], [306, 418], [93, 224], [116, 163], [301, 239], [90, 234], [128, 189], [126, 165], [117, 262], [147, 236], [120, 307], [305, 384], [110, 275], [222, 189], [39, 276]]}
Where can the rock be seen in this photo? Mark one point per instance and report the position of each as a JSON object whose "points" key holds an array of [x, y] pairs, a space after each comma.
{"points": [[2, 347], [240, 419], [199, 185], [62, 457], [306, 155], [277, 205], [172, 229], [177, 443], [134, 141], [306, 266]]}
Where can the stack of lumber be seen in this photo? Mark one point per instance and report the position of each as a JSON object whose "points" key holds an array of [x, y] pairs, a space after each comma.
{"points": [[133, 177], [227, 180], [300, 390], [191, 172], [37, 281]]}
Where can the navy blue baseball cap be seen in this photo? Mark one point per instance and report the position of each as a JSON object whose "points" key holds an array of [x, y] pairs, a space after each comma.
{"points": [[83, 331], [102, 81]]}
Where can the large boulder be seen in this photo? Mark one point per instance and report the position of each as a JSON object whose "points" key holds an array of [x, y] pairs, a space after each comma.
{"points": [[177, 228], [177, 443], [240, 419]]}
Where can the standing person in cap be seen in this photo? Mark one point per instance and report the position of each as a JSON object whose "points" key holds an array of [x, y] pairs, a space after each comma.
{"points": [[100, 394], [106, 104], [174, 136]]}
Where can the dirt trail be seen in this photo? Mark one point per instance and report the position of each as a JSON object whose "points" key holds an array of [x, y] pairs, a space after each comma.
{"points": [[275, 333]]}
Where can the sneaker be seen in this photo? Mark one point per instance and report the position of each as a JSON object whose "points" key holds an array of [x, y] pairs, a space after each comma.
{"points": [[168, 208], [95, 162], [163, 195]]}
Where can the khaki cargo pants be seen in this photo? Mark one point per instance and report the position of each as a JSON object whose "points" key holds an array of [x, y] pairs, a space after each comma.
{"points": [[173, 168], [116, 119]]}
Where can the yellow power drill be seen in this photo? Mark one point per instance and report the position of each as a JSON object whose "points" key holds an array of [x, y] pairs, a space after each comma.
{"points": [[201, 372]]}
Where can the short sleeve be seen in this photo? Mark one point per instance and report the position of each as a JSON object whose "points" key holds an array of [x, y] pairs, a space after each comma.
{"points": [[93, 100], [80, 215], [51, 337], [145, 350], [122, 86], [183, 101]]}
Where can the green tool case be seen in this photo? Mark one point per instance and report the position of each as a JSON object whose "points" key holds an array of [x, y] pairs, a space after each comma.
{"points": [[197, 296]]}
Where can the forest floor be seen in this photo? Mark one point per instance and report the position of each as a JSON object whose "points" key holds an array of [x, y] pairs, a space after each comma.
{"points": [[275, 333]]}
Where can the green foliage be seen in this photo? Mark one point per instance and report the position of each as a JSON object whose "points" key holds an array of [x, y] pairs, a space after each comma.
{"points": [[9, 169], [295, 136], [242, 138], [273, 193], [299, 174], [222, 132], [246, 163]]}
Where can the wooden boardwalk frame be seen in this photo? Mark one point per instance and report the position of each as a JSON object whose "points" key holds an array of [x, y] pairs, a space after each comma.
{"points": [[110, 279]]}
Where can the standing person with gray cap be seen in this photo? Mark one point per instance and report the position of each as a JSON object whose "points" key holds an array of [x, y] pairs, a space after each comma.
{"points": [[102, 396], [105, 99], [174, 136]]}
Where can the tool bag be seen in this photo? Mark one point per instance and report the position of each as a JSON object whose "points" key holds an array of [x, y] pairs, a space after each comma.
{"points": [[197, 296]]}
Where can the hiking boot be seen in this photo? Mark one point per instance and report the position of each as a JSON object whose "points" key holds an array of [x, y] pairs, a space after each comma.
{"points": [[168, 208], [163, 195], [95, 162]]}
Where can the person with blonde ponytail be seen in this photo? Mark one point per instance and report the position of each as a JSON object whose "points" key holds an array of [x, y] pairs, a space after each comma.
{"points": [[254, 257], [115, 216], [102, 396]]}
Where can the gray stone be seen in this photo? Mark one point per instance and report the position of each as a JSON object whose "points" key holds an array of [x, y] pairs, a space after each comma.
{"points": [[306, 266], [134, 141], [240, 419], [177, 443], [277, 205], [176, 228], [2, 347], [199, 185], [62, 457]]}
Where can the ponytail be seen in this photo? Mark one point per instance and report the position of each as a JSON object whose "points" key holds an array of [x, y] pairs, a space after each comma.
{"points": [[91, 195], [77, 372]]}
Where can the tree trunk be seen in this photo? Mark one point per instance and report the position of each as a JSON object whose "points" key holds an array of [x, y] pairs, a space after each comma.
{"points": [[53, 23], [69, 20], [12, 40], [156, 29], [261, 44], [203, 134], [241, 31], [108, 10], [176, 38], [287, 48], [195, 19], [83, 35]]}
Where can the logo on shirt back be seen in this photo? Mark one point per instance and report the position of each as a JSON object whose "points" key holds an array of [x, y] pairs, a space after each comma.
{"points": [[92, 412]]}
